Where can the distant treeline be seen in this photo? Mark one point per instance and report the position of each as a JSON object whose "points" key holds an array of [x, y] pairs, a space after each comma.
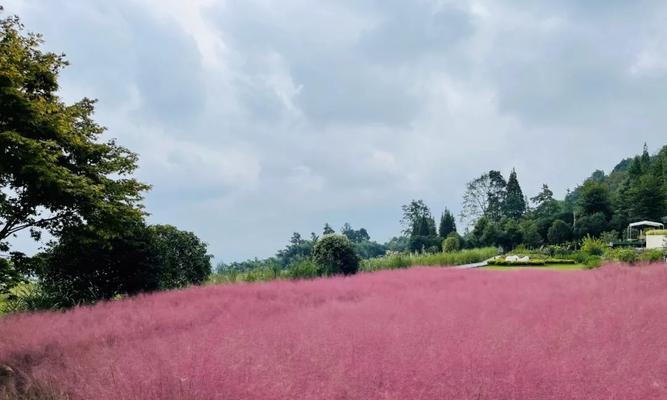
{"points": [[497, 213]]}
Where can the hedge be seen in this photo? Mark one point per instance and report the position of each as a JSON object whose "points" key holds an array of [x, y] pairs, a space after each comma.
{"points": [[536, 262]]}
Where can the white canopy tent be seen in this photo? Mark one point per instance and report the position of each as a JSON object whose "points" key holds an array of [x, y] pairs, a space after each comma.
{"points": [[644, 224]]}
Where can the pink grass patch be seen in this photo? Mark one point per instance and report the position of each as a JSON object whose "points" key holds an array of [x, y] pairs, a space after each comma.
{"points": [[423, 333]]}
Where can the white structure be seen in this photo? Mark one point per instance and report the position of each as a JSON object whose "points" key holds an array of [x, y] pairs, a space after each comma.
{"points": [[641, 225], [656, 241], [517, 258]]}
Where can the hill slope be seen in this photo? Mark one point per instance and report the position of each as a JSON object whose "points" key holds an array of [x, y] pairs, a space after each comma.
{"points": [[423, 333]]}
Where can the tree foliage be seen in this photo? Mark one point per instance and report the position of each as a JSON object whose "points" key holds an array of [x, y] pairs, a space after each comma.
{"points": [[447, 224], [85, 265], [55, 171], [182, 257], [335, 255], [514, 203], [559, 232]]}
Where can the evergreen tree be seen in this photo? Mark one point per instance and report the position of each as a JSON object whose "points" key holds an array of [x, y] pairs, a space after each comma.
{"points": [[645, 159], [447, 224], [635, 169], [515, 203]]}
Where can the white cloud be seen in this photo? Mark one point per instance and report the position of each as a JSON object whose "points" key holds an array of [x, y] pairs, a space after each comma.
{"points": [[254, 119]]}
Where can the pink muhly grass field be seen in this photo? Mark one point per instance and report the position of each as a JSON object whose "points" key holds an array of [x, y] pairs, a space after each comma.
{"points": [[422, 333]]}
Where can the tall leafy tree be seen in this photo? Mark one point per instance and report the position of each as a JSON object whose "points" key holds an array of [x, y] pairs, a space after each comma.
{"points": [[515, 203], [544, 202], [594, 199], [447, 224], [417, 219], [476, 199], [497, 196], [55, 171]]}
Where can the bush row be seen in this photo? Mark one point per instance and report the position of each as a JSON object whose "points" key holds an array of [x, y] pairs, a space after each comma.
{"points": [[534, 261]]}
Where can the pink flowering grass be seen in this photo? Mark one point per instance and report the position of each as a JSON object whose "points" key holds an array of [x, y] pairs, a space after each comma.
{"points": [[423, 333]]}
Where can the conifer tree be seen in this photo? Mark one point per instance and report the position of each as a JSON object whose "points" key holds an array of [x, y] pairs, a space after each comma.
{"points": [[515, 203], [447, 224]]}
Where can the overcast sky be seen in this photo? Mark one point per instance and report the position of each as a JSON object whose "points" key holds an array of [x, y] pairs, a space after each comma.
{"points": [[254, 118]]}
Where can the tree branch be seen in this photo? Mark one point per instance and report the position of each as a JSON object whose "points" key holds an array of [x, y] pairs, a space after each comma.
{"points": [[15, 229]]}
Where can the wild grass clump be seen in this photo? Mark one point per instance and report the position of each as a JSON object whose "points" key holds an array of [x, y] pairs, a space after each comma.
{"points": [[420, 333], [400, 260]]}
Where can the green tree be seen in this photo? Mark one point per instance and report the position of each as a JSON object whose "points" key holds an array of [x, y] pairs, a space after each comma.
{"points": [[398, 244], [594, 199], [496, 195], [328, 230], [335, 255], [509, 234], [490, 235], [545, 204], [514, 204], [86, 265], [356, 236], [417, 219], [182, 257], [447, 224], [55, 172], [648, 199], [592, 225], [298, 248], [419, 226], [559, 232], [10, 276], [476, 199], [530, 234]]}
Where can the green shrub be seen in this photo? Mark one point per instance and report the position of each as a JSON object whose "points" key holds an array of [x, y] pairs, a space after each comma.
{"points": [[580, 257], [559, 261], [504, 263], [593, 246], [593, 262], [334, 255], [624, 255], [557, 251], [450, 244], [303, 269], [653, 255]]}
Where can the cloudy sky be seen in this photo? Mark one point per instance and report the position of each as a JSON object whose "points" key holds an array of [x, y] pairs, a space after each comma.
{"points": [[257, 118]]}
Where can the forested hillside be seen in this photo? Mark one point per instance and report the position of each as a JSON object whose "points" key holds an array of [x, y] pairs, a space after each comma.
{"points": [[603, 205]]}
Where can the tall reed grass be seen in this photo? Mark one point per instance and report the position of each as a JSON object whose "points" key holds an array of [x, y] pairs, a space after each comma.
{"points": [[393, 261]]}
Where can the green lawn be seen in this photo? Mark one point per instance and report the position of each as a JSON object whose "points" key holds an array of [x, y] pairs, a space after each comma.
{"points": [[557, 267]]}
